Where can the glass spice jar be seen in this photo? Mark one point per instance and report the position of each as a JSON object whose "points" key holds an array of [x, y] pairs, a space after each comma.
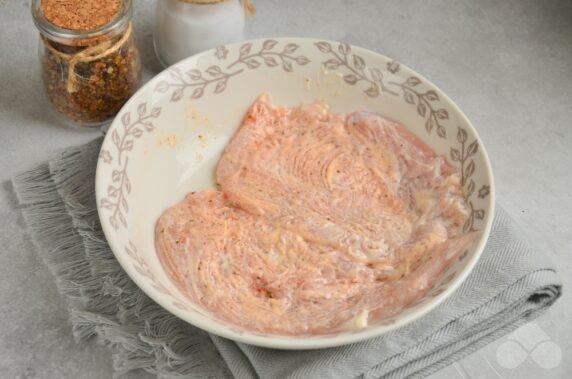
{"points": [[186, 27], [90, 61]]}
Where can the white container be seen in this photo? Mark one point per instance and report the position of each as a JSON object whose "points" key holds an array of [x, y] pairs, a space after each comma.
{"points": [[184, 28]]}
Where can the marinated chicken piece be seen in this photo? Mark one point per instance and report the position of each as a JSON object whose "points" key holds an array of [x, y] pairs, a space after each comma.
{"points": [[323, 222]]}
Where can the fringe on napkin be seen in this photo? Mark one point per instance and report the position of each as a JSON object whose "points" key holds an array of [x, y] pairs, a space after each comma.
{"points": [[103, 302]]}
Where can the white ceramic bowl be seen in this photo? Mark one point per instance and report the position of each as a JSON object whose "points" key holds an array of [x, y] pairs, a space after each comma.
{"points": [[167, 139]]}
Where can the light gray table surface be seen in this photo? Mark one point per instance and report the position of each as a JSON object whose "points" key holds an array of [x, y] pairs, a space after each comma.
{"points": [[507, 63]]}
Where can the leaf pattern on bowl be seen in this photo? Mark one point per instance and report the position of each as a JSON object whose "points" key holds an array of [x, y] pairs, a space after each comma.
{"points": [[140, 264], [425, 103], [393, 67], [484, 191], [123, 139], [356, 70], [270, 54], [221, 52], [194, 79], [105, 156], [464, 255], [463, 156]]}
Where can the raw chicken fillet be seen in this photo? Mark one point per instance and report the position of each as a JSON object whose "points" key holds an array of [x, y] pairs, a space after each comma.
{"points": [[323, 222]]}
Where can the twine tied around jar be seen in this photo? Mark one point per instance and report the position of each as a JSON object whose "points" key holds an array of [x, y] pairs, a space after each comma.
{"points": [[89, 54], [249, 8]]}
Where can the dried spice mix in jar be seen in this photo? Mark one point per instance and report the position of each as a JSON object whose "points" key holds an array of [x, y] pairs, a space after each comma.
{"points": [[89, 57]]}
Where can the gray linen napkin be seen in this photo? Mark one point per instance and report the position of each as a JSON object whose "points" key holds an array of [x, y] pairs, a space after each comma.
{"points": [[512, 284]]}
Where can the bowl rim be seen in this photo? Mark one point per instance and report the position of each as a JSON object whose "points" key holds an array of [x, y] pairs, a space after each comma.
{"points": [[302, 342]]}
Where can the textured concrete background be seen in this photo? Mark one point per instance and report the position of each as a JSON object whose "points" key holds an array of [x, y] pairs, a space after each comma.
{"points": [[507, 63]]}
